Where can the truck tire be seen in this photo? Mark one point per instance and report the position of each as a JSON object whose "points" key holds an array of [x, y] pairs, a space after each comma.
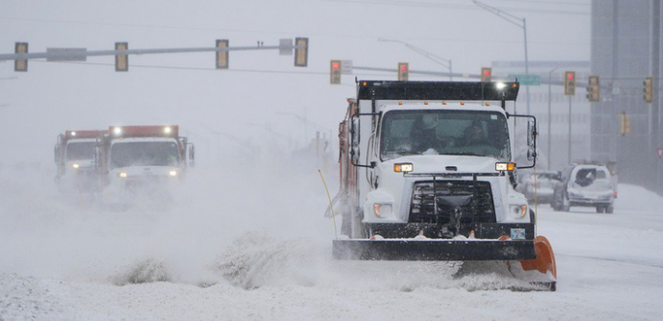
{"points": [[609, 209], [346, 225], [599, 209]]}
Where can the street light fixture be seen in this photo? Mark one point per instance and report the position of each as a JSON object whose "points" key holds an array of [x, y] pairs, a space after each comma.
{"points": [[437, 59], [520, 22]]}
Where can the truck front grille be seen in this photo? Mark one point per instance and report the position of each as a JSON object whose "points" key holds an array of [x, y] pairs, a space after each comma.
{"points": [[479, 210]]}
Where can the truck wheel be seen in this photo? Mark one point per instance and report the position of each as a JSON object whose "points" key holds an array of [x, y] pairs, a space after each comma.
{"points": [[599, 209], [609, 209], [346, 226], [357, 228]]}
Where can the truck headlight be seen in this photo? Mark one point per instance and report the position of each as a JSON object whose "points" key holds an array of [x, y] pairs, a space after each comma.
{"points": [[505, 167], [382, 210], [75, 166], [403, 167], [519, 211], [122, 175], [172, 173]]}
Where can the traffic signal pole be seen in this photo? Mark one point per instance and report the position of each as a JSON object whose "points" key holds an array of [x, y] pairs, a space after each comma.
{"points": [[570, 121]]}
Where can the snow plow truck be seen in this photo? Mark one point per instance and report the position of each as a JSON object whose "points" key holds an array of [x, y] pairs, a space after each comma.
{"points": [[74, 157], [140, 160], [427, 174]]}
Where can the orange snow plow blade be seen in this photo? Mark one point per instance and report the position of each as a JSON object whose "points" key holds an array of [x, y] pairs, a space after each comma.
{"points": [[545, 260]]}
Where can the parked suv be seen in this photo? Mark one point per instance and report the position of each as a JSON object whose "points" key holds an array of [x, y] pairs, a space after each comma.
{"points": [[545, 185], [587, 185]]}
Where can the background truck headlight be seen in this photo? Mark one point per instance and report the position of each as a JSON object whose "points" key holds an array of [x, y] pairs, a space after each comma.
{"points": [[382, 210]]}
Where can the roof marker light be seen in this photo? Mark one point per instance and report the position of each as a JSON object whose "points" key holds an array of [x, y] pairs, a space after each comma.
{"points": [[400, 103], [73, 133], [500, 85], [117, 130], [444, 102], [462, 103], [167, 130], [487, 104], [425, 103]]}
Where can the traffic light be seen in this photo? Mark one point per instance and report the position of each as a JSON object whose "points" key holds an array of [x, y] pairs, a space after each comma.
{"points": [[570, 83], [122, 61], [21, 64], [486, 74], [222, 56], [625, 124], [593, 89], [335, 72], [648, 90], [403, 71], [301, 54]]}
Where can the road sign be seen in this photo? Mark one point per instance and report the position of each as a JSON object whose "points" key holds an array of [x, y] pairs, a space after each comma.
{"points": [[285, 47], [66, 54], [660, 152], [527, 80], [346, 67]]}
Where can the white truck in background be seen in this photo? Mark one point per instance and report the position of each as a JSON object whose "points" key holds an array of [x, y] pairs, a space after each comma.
{"points": [[141, 160], [74, 158]]}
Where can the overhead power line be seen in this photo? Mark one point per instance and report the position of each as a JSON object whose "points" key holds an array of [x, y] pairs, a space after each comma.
{"points": [[402, 3]]}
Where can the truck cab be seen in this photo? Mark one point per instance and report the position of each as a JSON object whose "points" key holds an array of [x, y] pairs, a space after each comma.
{"points": [[434, 172]]}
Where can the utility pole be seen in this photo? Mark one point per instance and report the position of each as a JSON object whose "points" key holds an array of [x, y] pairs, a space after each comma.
{"points": [[520, 22], [549, 118], [570, 121]]}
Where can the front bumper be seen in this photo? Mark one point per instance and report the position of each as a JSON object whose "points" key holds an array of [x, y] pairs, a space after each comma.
{"points": [[481, 230], [590, 202], [433, 250]]}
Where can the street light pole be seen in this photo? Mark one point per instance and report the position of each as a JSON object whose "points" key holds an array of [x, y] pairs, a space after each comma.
{"points": [[549, 118], [441, 61], [520, 22]]}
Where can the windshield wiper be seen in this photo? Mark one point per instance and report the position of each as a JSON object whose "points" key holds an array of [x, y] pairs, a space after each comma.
{"points": [[464, 153]]}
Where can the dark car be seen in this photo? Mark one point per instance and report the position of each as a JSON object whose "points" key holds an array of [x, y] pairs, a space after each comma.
{"points": [[545, 183], [587, 185]]}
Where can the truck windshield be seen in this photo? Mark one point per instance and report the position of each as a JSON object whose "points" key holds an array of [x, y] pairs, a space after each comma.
{"points": [[80, 150], [444, 132], [144, 154]]}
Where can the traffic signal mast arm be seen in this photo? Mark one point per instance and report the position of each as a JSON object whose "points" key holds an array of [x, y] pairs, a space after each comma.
{"points": [[71, 55]]}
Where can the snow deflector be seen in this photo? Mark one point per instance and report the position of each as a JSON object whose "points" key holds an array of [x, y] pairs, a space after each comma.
{"points": [[436, 90], [432, 250], [545, 259]]}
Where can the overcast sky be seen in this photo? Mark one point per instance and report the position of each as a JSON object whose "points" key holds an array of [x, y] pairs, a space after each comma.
{"points": [[244, 102]]}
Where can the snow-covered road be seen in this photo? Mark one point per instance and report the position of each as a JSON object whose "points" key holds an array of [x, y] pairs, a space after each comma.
{"points": [[238, 246]]}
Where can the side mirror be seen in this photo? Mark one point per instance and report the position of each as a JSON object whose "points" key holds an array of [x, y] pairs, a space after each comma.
{"points": [[56, 153], [97, 156], [191, 154], [531, 140], [354, 141]]}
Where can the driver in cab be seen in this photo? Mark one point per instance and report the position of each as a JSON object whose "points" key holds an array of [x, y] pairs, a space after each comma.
{"points": [[473, 135]]}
